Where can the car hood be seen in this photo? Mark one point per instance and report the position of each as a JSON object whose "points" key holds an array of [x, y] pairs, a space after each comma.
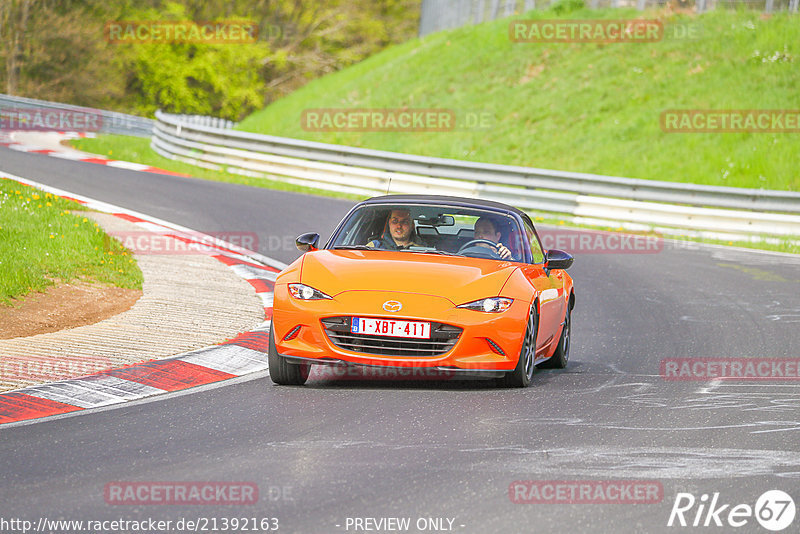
{"points": [[458, 279]]}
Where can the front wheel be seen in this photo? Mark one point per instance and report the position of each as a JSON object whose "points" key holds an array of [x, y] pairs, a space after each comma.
{"points": [[560, 357], [281, 371], [522, 374]]}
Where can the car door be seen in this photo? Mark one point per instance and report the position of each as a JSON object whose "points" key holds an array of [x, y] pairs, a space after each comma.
{"points": [[549, 285]]}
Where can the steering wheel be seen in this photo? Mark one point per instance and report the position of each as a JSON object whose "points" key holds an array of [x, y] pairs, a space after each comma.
{"points": [[473, 242]]}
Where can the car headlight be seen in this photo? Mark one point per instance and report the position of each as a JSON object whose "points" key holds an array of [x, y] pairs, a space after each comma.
{"points": [[489, 305], [304, 292]]}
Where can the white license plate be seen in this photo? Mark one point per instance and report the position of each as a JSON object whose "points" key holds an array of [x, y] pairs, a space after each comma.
{"points": [[390, 327]]}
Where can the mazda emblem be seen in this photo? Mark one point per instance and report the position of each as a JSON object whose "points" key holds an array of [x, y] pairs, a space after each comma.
{"points": [[392, 306]]}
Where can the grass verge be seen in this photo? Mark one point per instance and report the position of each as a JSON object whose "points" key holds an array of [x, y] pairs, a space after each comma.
{"points": [[583, 107], [47, 239]]}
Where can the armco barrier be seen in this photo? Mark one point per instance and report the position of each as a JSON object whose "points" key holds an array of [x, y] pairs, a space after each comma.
{"points": [[716, 210], [107, 121]]}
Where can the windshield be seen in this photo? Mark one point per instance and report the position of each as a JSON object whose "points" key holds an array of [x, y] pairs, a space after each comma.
{"points": [[433, 229]]}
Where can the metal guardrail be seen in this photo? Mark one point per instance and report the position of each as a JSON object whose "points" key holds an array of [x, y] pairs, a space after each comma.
{"points": [[203, 120], [436, 15], [102, 121], [730, 210]]}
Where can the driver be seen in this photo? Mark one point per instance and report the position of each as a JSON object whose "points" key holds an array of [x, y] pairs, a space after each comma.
{"points": [[486, 228], [399, 233]]}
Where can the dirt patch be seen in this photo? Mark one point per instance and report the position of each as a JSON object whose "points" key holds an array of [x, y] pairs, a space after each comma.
{"points": [[533, 71], [64, 306]]}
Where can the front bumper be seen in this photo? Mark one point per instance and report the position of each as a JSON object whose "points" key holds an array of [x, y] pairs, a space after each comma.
{"points": [[472, 351]]}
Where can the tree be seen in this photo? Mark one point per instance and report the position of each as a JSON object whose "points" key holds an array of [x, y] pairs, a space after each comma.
{"points": [[52, 50], [57, 50], [13, 24]]}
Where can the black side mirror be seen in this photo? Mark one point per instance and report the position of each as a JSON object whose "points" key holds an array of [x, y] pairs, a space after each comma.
{"points": [[307, 242], [557, 259]]}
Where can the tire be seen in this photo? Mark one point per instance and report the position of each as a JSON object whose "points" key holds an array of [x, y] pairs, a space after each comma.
{"points": [[560, 357], [522, 374], [281, 371]]}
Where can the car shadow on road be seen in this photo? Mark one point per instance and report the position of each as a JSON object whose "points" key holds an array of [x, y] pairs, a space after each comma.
{"points": [[340, 377]]}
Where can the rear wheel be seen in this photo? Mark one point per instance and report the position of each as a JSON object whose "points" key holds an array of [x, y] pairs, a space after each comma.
{"points": [[522, 374], [281, 371], [560, 358]]}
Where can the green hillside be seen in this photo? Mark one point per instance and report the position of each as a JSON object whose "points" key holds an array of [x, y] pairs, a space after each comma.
{"points": [[587, 107]]}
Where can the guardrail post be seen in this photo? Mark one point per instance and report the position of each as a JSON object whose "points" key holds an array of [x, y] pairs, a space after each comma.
{"points": [[479, 9], [701, 6], [495, 9]]}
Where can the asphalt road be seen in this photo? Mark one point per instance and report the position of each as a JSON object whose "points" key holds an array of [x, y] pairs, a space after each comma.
{"points": [[336, 449], [277, 217]]}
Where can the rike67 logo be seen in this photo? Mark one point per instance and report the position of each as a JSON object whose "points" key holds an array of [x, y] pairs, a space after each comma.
{"points": [[774, 510]]}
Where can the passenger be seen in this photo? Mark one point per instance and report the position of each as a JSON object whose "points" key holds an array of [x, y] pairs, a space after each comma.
{"points": [[399, 233], [486, 228]]}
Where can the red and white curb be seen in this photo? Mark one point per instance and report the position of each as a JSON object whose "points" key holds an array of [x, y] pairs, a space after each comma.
{"points": [[74, 155], [244, 354]]}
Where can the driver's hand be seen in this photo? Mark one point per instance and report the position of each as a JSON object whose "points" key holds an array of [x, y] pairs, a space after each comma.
{"points": [[503, 251]]}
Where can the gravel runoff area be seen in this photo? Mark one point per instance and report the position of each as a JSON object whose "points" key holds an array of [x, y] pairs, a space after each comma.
{"points": [[189, 301]]}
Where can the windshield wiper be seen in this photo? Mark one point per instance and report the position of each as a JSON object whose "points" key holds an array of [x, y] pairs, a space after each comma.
{"points": [[353, 247], [442, 252], [422, 251]]}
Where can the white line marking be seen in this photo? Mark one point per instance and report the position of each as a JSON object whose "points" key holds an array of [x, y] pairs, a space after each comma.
{"points": [[231, 359], [127, 165]]}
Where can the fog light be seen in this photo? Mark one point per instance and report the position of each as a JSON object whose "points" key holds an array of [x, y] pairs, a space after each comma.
{"points": [[494, 347], [293, 333]]}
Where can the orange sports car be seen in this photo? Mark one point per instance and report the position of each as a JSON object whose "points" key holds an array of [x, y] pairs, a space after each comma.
{"points": [[414, 281]]}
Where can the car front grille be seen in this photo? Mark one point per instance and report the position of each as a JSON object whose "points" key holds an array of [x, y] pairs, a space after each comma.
{"points": [[443, 338]]}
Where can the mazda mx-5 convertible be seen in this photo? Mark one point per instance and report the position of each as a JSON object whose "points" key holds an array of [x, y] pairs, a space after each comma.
{"points": [[424, 282]]}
